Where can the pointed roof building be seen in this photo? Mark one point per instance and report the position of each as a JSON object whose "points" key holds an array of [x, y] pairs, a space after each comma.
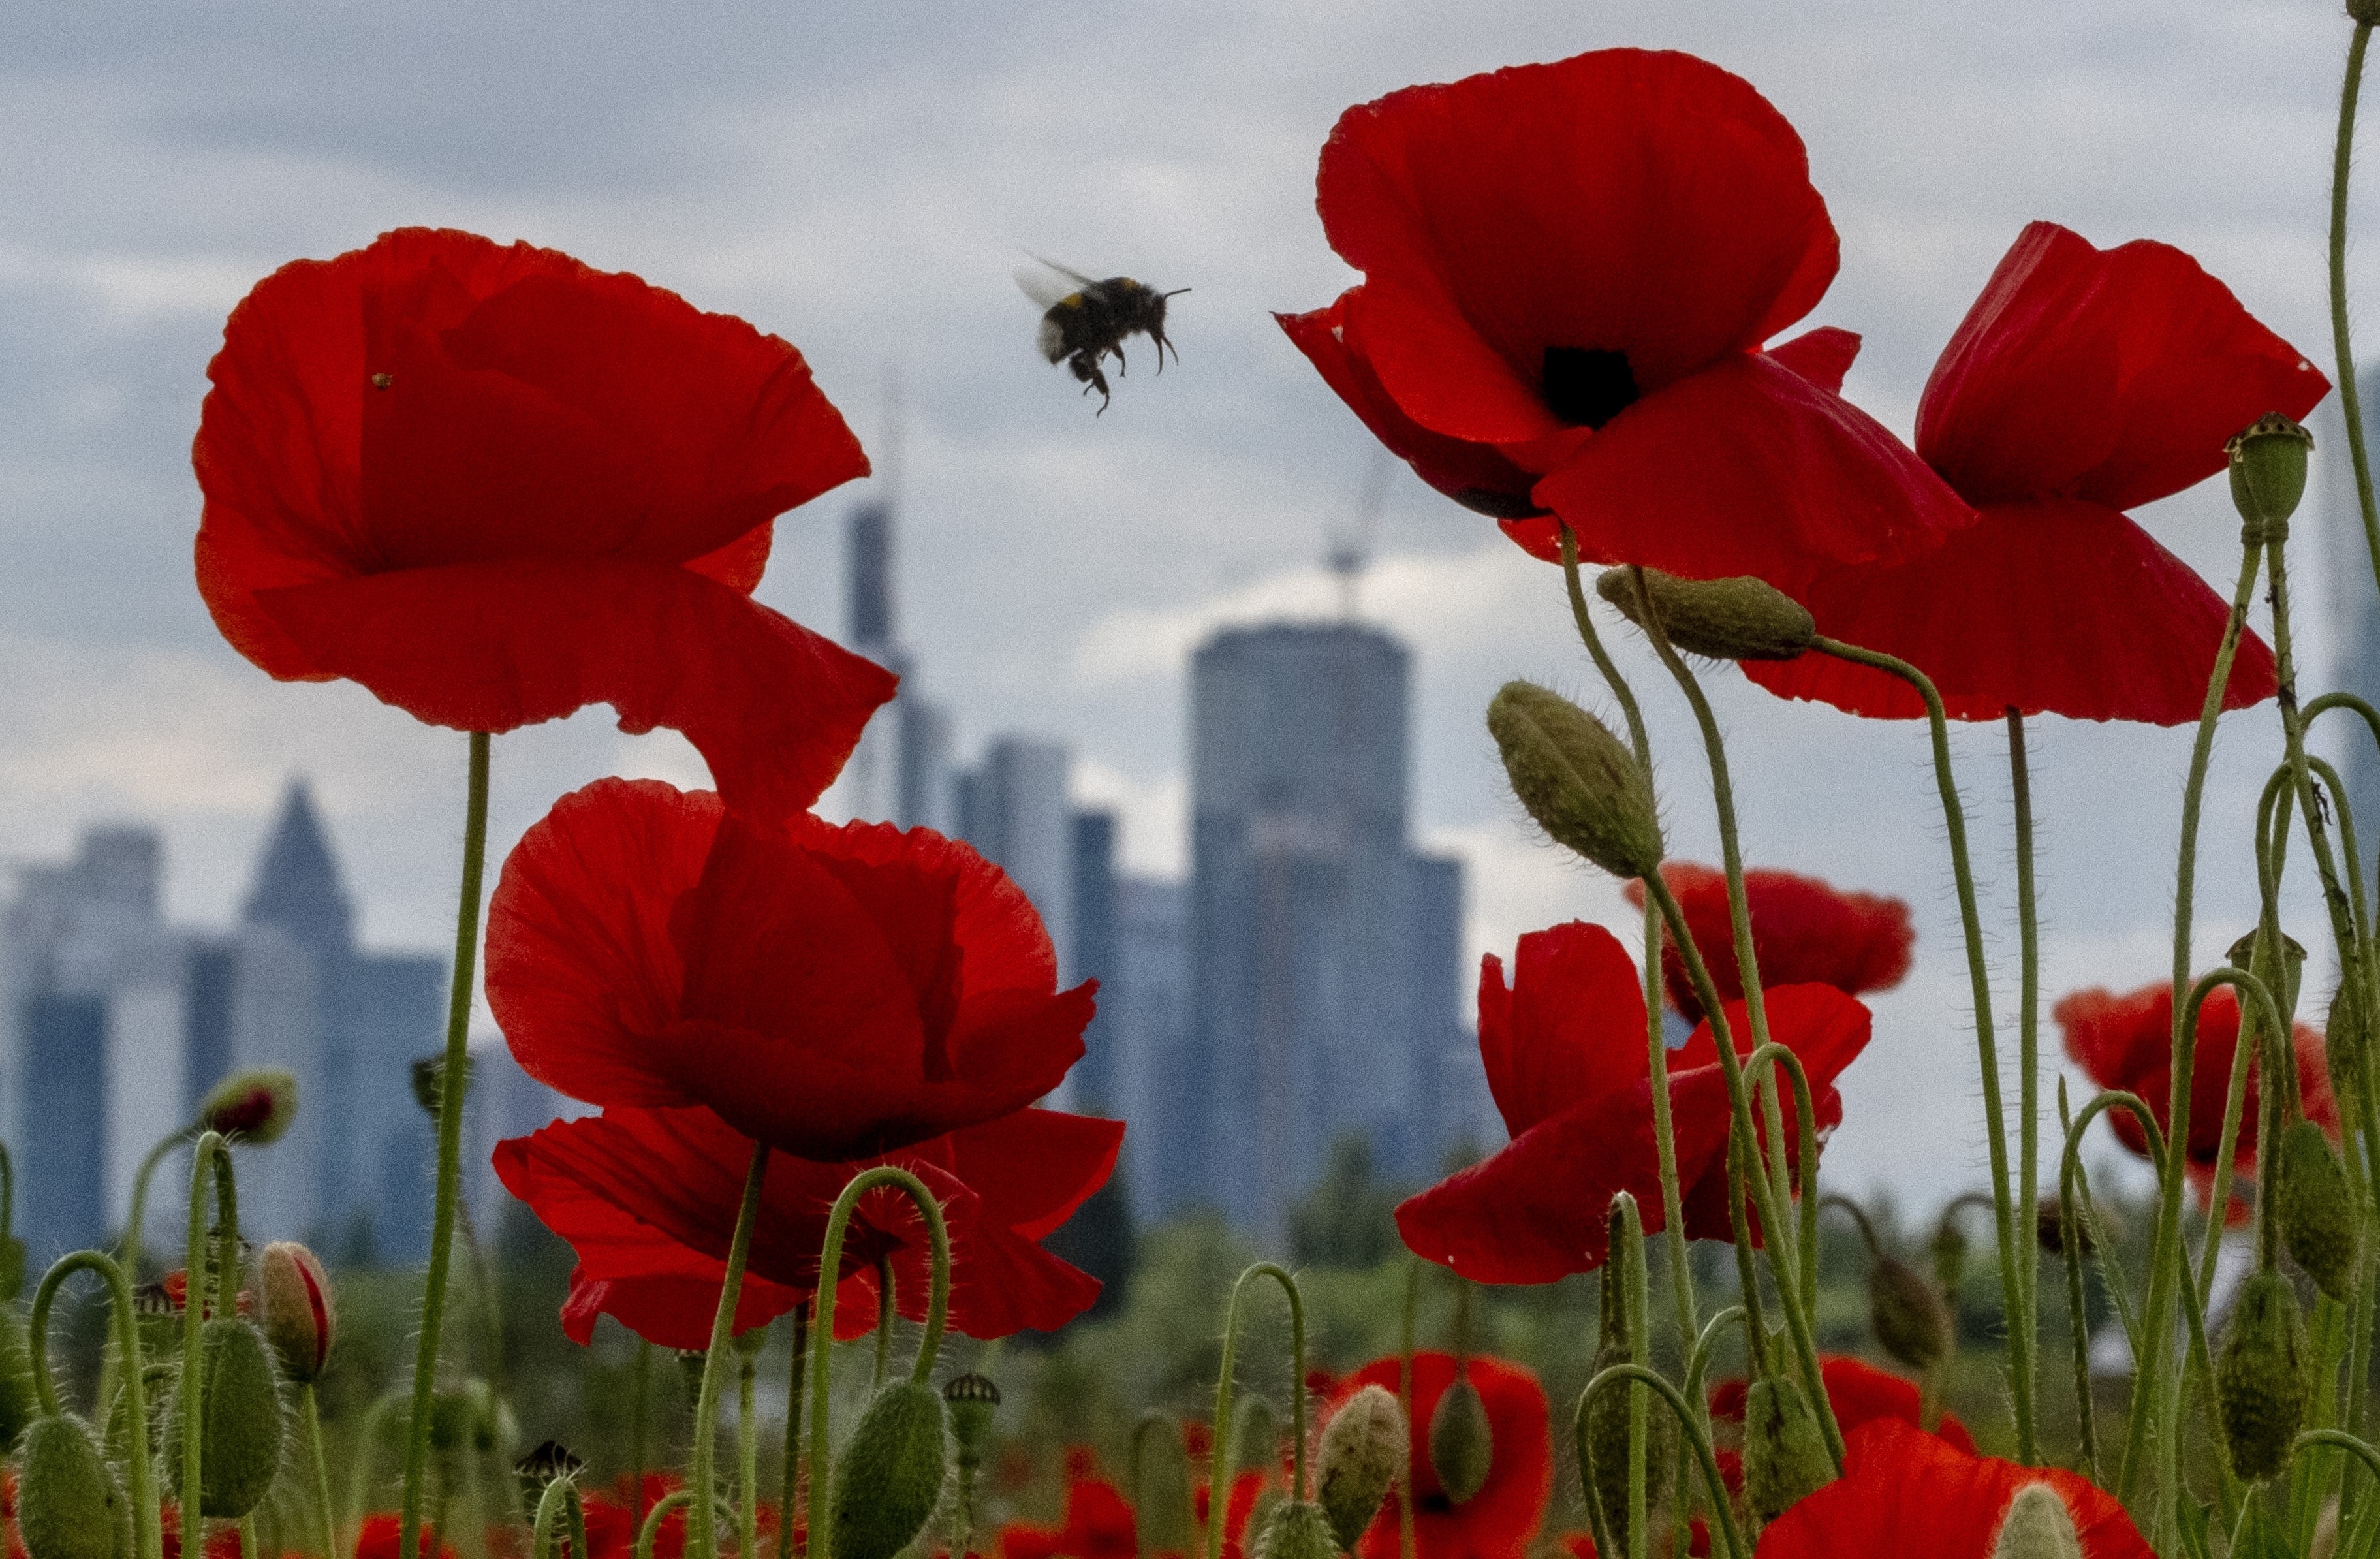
{"points": [[297, 889]]}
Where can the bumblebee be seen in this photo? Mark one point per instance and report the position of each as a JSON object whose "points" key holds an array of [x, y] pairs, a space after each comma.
{"points": [[1086, 321]]}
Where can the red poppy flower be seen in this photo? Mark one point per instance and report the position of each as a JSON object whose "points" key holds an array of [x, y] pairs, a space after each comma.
{"points": [[2083, 383], [836, 992], [1568, 273], [1565, 1049], [1861, 1394], [613, 1519], [383, 1537], [221, 1543], [1247, 1485], [494, 486], [1498, 1521], [1099, 1526], [1581, 1545], [1803, 931], [1906, 1491], [648, 1198]]}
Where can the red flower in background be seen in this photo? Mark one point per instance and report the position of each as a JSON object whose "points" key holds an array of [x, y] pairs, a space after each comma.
{"points": [[614, 1519], [1803, 931], [381, 1537], [1099, 1526], [1498, 1521], [2083, 383], [1565, 1049], [1240, 1508], [1861, 1394], [1904, 1491], [836, 992], [493, 486], [648, 1198], [1568, 273]]}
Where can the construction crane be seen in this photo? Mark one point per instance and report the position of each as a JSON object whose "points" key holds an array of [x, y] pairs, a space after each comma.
{"points": [[1347, 548]]}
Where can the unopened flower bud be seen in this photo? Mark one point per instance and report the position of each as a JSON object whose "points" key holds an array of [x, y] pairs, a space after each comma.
{"points": [[1160, 1476], [1363, 1451], [465, 1416], [2285, 989], [2364, 11], [299, 1320], [2268, 470], [1255, 1433], [1784, 1451], [254, 1107], [19, 1401], [1577, 779], [68, 1504], [429, 1082], [1296, 1530], [2316, 1210], [2051, 1227], [2260, 1381], [2343, 1038], [241, 1400], [2037, 1525], [1738, 619], [889, 1477], [1462, 1443], [12, 1269], [1602, 1431], [974, 1402], [1912, 1321]]}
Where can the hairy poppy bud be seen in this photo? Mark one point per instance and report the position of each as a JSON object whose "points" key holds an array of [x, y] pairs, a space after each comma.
{"points": [[1297, 1530], [1462, 1443], [2261, 1382], [1363, 1453], [1602, 1434], [1739, 619], [2285, 991], [890, 1477], [2037, 1525], [297, 1314], [254, 1106], [2316, 1210], [429, 1082], [1912, 1321], [2343, 1037], [973, 1401], [1784, 1451], [2364, 11], [1160, 1476], [68, 1504], [2268, 470], [241, 1399], [12, 1268], [1577, 779], [1255, 1433], [18, 1402]]}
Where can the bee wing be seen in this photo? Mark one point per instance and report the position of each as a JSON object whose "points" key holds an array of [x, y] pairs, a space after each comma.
{"points": [[1047, 283]]}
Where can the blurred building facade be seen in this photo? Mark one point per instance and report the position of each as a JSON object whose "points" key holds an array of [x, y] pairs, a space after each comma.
{"points": [[2354, 615]]}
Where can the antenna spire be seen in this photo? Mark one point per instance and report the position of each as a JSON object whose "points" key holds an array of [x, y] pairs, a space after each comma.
{"points": [[1348, 549]]}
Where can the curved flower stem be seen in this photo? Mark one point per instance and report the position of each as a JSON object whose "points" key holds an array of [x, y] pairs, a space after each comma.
{"points": [[450, 1148], [1698, 1360], [748, 1460], [147, 1528], [793, 1432], [1713, 1485], [1220, 1476], [210, 1158], [1404, 1381], [1747, 1270], [134, 1229], [2071, 1235], [314, 1421], [1805, 1153], [703, 1539], [938, 1305], [884, 1317], [676, 1499], [2028, 1065], [549, 1505], [2349, 401]]}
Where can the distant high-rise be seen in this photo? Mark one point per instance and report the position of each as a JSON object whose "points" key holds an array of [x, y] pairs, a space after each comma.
{"points": [[2354, 601], [900, 772], [1094, 1086], [1145, 1017], [1013, 807]]}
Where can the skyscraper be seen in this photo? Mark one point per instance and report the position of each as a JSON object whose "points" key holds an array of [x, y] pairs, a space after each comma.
{"points": [[1013, 807], [900, 772], [2354, 616]]}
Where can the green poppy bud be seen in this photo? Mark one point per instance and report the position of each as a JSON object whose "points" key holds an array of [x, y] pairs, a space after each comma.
{"points": [[1296, 1530], [2316, 1210], [1363, 1453], [2037, 1525], [2364, 11], [1255, 1433], [68, 1504], [19, 1401], [1462, 1443], [2285, 991], [1784, 1451], [890, 1477], [1602, 1435], [429, 1082], [2268, 470], [1577, 779], [299, 1320], [1160, 1476], [241, 1399], [12, 1269], [1912, 1319], [2343, 1037], [2260, 1383], [1739, 619], [974, 1402], [253, 1107]]}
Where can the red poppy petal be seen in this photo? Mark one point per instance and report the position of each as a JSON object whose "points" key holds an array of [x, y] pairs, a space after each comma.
{"points": [[1825, 1028], [1822, 355], [1033, 1168], [2052, 606], [1497, 1522], [1803, 931], [1575, 1028], [773, 707], [1748, 468]]}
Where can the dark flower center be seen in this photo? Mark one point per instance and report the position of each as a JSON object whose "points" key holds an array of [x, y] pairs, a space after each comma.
{"points": [[1588, 386]]}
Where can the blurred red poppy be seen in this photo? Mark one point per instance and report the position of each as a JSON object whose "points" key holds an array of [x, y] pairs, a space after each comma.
{"points": [[2083, 383], [493, 485], [1568, 273], [1581, 1545], [381, 1537], [614, 1519], [1803, 931], [648, 1198], [836, 992], [1099, 1526], [1565, 1049], [1904, 1491], [1499, 1521], [1246, 1487], [1861, 1394]]}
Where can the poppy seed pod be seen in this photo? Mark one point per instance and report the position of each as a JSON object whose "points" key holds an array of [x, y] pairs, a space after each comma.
{"points": [[2285, 992], [1462, 1443], [299, 1320], [2268, 469], [241, 1399], [2261, 1382], [1363, 1451], [1297, 1530], [68, 1504], [1912, 1319], [2037, 1525], [1739, 619], [253, 1107], [889, 1477], [2316, 1210], [1784, 1452], [1161, 1476], [973, 1401], [1577, 779]]}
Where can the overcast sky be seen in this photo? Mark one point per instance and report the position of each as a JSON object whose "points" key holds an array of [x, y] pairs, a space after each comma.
{"points": [[859, 178]]}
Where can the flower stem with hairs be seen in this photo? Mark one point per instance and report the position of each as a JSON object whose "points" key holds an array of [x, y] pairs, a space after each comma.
{"points": [[147, 1525], [1219, 1480], [703, 1539]]}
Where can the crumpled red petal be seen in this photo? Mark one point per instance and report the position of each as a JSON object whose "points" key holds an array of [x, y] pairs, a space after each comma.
{"points": [[1570, 1027], [1804, 930], [1861, 1394]]}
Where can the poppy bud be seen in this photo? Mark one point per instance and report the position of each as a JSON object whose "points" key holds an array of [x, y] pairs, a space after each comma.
{"points": [[2364, 11], [2343, 1035], [2285, 992], [890, 1477], [12, 1268], [18, 1402], [241, 1399], [1255, 1433], [1912, 1321], [297, 1314], [1577, 779], [2037, 1525], [2316, 1211], [2268, 470], [2260, 1377], [1297, 1530], [973, 1401], [1161, 1474], [429, 1082], [1784, 1451], [1462, 1443], [254, 1106], [1602, 1434], [2049, 1227], [1739, 619], [1363, 1453], [68, 1504]]}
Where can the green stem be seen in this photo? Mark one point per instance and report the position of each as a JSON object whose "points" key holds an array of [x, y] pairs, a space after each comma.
{"points": [[147, 1528], [312, 1417], [793, 1432], [748, 1460], [1404, 1362], [1722, 1506], [640, 1431], [210, 1158], [2028, 1315], [1219, 1480], [2342, 347], [1633, 1303], [704, 1480], [450, 1148], [676, 1499], [884, 1317], [549, 1505], [133, 1231]]}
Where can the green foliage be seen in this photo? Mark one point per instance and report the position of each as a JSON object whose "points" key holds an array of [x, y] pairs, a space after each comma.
{"points": [[1348, 1220]]}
